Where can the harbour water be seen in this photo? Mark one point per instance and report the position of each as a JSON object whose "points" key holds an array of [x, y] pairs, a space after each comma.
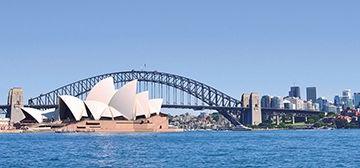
{"points": [[288, 148]]}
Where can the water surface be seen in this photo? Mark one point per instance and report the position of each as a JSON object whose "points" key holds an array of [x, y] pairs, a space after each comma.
{"points": [[308, 148]]}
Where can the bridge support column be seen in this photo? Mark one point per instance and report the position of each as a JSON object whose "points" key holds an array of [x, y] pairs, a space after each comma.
{"points": [[293, 119], [277, 119]]}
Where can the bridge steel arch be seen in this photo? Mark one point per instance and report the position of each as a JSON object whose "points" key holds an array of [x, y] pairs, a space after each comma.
{"points": [[214, 98]]}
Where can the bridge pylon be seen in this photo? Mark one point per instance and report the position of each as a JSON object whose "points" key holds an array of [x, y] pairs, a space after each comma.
{"points": [[15, 102], [251, 116]]}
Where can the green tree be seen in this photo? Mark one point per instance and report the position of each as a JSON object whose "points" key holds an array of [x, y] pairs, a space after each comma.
{"points": [[319, 124], [215, 117], [331, 114], [282, 125], [313, 119], [265, 125]]}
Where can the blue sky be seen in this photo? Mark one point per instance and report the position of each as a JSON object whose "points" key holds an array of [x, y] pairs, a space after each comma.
{"points": [[235, 46]]}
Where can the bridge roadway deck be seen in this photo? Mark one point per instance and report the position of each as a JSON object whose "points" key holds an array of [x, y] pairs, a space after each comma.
{"points": [[201, 107], [239, 109]]}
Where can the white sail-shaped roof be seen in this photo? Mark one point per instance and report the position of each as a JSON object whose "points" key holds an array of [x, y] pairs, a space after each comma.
{"points": [[107, 113], [115, 113], [155, 106], [111, 112], [96, 108], [124, 100], [35, 113], [103, 91], [75, 105], [51, 114], [142, 104]]}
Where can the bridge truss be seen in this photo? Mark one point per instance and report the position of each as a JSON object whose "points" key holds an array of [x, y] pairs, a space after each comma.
{"points": [[177, 91]]}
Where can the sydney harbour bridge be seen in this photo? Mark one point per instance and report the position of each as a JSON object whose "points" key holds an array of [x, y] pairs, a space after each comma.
{"points": [[177, 91]]}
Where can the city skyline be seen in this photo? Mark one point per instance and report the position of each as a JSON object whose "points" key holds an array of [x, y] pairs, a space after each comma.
{"points": [[161, 83], [265, 52]]}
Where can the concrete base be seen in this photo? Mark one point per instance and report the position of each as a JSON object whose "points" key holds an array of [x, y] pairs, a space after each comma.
{"points": [[153, 124]]}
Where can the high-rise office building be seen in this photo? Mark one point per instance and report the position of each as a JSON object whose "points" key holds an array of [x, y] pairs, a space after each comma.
{"points": [[311, 94], [357, 100], [323, 104], [266, 101], [346, 93], [347, 100], [277, 102], [337, 101], [295, 92]]}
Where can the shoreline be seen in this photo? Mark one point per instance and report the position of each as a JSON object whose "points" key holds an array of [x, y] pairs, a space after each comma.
{"points": [[74, 131], [167, 131]]}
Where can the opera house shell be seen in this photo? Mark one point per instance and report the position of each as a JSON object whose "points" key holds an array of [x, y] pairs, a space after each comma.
{"points": [[106, 109]]}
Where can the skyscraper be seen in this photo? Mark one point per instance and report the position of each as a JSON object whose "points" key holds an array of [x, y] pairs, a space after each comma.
{"points": [[323, 104], [276, 102], [337, 101], [311, 94], [266, 101], [357, 100], [347, 94], [347, 99], [295, 92]]}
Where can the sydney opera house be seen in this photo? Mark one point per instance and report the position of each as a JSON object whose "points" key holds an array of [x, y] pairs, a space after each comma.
{"points": [[105, 109]]}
